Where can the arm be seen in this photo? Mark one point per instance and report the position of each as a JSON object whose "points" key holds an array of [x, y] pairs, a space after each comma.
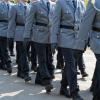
{"points": [[12, 23], [87, 21], [29, 21], [85, 27], [55, 29]]}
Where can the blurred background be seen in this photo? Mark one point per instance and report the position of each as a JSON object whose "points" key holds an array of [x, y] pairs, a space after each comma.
{"points": [[15, 1]]}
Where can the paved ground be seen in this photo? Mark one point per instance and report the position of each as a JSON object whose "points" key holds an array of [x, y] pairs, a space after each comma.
{"points": [[13, 88]]}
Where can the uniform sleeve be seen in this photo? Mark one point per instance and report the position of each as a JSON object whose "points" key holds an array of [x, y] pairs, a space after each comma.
{"points": [[85, 27], [29, 21], [12, 23], [56, 23], [87, 21]]}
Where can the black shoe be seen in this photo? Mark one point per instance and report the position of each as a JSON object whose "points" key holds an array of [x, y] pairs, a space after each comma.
{"points": [[77, 97], [3, 67], [84, 74], [53, 76], [48, 88], [96, 98], [91, 89], [59, 66], [12, 54], [20, 75], [27, 78], [78, 73], [9, 70], [65, 92], [34, 68]]}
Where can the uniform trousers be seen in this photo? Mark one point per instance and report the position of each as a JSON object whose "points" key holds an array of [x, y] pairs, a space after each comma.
{"points": [[11, 45], [45, 70], [69, 75], [79, 61], [60, 60], [4, 56], [96, 79], [22, 61]]}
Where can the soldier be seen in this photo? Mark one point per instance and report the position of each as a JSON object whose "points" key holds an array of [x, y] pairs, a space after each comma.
{"points": [[15, 31], [79, 60], [90, 28], [64, 31], [39, 23], [5, 6]]}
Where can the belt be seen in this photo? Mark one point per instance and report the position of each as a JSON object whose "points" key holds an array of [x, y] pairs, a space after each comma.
{"points": [[6, 21], [20, 24], [96, 29], [41, 24], [67, 27]]}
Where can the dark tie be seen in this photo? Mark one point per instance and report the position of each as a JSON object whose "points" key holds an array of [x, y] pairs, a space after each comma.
{"points": [[48, 7]]}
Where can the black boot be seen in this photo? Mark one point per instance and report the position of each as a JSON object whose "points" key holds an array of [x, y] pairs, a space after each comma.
{"points": [[64, 91], [3, 67], [84, 74], [91, 88], [20, 74], [48, 88], [9, 68], [27, 78], [34, 68], [48, 85], [95, 98], [76, 96]]}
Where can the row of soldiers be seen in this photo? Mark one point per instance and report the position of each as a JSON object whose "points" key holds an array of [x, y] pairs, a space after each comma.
{"points": [[46, 25]]}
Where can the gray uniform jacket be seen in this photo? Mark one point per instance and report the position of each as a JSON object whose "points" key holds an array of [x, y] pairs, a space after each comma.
{"points": [[17, 20], [4, 15], [67, 14], [90, 21], [38, 22]]}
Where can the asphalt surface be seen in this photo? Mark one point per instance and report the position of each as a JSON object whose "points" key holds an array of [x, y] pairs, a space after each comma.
{"points": [[13, 88]]}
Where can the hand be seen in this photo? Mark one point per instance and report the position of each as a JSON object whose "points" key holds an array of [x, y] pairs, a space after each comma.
{"points": [[53, 47]]}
